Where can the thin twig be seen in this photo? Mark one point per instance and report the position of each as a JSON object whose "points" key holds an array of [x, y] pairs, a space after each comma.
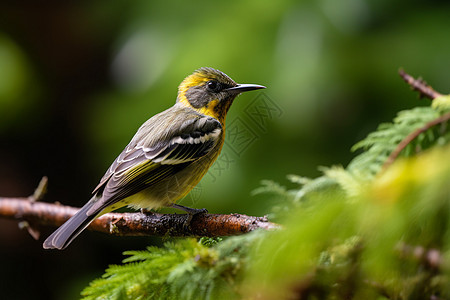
{"points": [[425, 91], [419, 85], [135, 224], [413, 135], [40, 191]]}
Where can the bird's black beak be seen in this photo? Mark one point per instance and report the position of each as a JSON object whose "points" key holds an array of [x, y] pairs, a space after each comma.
{"points": [[240, 88]]}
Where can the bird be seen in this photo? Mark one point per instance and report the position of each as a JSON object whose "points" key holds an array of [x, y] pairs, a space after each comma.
{"points": [[167, 157]]}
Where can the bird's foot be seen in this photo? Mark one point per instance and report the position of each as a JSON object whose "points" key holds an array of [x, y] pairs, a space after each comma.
{"points": [[146, 211], [191, 212]]}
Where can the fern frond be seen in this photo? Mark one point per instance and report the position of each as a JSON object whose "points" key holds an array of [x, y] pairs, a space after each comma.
{"points": [[378, 145], [269, 186], [185, 269], [298, 179], [351, 184]]}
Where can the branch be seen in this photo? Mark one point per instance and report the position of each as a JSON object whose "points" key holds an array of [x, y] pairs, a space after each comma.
{"points": [[412, 136], [425, 91], [131, 224], [419, 85]]}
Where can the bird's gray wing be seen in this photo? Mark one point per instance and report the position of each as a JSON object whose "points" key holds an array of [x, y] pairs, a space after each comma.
{"points": [[146, 161]]}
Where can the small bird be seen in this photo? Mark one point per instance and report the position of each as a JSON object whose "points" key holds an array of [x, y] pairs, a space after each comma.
{"points": [[167, 156]]}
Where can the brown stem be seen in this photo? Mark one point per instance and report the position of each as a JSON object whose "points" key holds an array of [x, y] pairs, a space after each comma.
{"points": [[425, 91], [134, 224], [419, 85], [413, 135]]}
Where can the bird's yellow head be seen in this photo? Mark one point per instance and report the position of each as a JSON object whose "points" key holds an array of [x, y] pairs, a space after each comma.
{"points": [[211, 92]]}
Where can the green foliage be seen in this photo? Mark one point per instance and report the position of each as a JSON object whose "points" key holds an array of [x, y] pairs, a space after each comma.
{"points": [[354, 247], [185, 269], [361, 232], [379, 144]]}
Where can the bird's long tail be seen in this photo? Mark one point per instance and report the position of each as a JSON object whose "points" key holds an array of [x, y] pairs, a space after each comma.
{"points": [[65, 234]]}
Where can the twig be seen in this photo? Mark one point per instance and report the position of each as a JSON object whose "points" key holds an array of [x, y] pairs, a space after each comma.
{"points": [[413, 135], [38, 194], [425, 91], [135, 224], [419, 85], [40, 191]]}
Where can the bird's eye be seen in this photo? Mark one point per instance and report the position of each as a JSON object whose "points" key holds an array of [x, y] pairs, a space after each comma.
{"points": [[213, 86]]}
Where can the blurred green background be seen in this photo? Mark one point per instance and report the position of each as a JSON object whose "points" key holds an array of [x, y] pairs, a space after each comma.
{"points": [[78, 79]]}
